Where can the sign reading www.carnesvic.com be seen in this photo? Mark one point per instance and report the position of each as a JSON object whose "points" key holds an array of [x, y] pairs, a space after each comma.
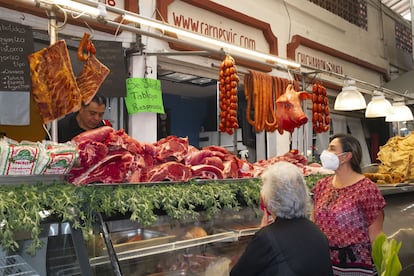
{"points": [[218, 22]]}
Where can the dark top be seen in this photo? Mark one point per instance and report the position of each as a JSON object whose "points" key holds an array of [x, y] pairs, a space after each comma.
{"points": [[287, 247], [68, 128]]}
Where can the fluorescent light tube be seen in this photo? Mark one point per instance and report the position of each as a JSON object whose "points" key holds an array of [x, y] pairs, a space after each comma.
{"points": [[225, 46]]}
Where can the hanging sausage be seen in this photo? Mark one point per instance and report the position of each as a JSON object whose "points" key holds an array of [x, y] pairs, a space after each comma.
{"points": [[228, 81], [320, 109]]}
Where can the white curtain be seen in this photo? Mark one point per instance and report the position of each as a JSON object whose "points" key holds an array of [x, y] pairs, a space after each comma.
{"points": [[14, 108]]}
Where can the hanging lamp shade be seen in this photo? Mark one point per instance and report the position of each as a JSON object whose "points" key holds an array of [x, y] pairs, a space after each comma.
{"points": [[378, 106], [400, 112], [349, 98]]}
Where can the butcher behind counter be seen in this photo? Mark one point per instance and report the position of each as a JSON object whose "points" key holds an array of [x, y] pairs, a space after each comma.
{"points": [[90, 116]]}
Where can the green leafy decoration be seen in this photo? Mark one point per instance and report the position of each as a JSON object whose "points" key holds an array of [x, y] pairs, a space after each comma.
{"points": [[312, 179], [21, 206], [385, 256]]}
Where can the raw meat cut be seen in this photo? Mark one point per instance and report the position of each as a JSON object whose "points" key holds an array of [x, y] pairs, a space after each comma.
{"points": [[119, 140], [231, 168], [172, 171], [172, 148], [214, 161], [246, 169], [206, 172], [104, 149], [289, 113], [111, 169], [54, 86], [197, 157], [291, 156], [205, 156], [91, 152], [98, 135], [218, 151]]}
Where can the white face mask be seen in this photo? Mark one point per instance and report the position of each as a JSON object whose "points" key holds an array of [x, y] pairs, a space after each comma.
{"points": [[330, 160]]}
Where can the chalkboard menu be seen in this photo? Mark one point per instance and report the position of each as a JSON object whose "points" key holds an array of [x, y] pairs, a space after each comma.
{"points": [[16, 43], [111, 54]]}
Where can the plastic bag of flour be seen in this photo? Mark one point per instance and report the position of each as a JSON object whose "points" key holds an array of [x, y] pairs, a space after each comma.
{"points": [[4, 155], [20, 158], [58, 158]]}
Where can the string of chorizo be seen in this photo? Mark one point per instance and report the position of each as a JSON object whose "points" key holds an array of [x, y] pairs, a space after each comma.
{"points": [[85, 47], [271, 121], [320, 109], [248, 94], [228, 81]]}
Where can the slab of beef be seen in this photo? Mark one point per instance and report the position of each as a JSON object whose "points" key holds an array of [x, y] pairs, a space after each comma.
{"points": [[119, 140], [111, 169], [91, 78], [172, 148], [111, 156], [91, 152], [231, 168], [206, 172], [246, 169], [292, 157], [54, 86], [218, 150], [206, 157], [172, 171], [197, 157], [98, 135]]}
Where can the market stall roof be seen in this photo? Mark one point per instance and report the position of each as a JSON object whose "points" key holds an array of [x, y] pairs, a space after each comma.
{"points": [[401, 7], [403, 84]]}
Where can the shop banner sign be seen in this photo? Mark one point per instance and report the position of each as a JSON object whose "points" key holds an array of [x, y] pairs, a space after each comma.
{"points": [[144, 95]]}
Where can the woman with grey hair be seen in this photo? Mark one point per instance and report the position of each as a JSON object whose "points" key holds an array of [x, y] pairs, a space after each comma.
{"points": [[288, 242]]}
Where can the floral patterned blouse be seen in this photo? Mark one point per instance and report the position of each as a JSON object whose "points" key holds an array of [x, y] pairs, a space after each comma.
{"points": [[344, 216]]}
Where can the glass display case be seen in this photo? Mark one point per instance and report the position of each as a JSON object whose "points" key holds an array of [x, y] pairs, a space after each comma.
{"points": [[169, 247]]}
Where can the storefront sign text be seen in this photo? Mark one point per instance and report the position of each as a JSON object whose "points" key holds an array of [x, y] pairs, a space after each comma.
{"points": [[144, 95], [318, 63], [213, 31]]}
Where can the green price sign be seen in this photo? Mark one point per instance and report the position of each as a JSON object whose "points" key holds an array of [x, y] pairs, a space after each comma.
{"points": [[143, 95]]}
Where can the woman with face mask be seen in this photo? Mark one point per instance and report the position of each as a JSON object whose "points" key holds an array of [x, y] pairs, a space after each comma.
{"points": [[348, 208]]}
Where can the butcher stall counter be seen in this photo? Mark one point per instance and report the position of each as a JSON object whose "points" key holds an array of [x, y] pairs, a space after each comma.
{"points": [[57, 228], [150, 229]]}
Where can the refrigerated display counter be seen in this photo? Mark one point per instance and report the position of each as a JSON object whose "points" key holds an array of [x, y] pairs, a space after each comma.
{"points": [[205, 240]]}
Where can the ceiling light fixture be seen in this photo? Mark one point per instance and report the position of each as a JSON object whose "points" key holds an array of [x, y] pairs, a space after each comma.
{"points": [[349, 98], [203, 39], [400, 112], [73, 6], [378, 106], [98, 9]]}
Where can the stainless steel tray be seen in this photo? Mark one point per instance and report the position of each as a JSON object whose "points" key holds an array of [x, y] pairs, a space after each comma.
{"points": [[197, 181], [124, 240], [31, 179]]}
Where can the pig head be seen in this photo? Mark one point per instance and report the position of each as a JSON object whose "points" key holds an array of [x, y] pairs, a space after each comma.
{"points": [[289, 113]]}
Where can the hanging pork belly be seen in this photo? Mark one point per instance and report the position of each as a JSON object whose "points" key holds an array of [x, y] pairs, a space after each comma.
{"points": [[93, 72], [54, 86]]}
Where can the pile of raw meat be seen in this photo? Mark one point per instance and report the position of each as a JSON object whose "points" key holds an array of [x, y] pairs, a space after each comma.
{"points": [[111, 156]]}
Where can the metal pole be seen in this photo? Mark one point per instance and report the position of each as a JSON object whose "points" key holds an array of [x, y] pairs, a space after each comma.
{"points": [[53, 37], [412, 25]]}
